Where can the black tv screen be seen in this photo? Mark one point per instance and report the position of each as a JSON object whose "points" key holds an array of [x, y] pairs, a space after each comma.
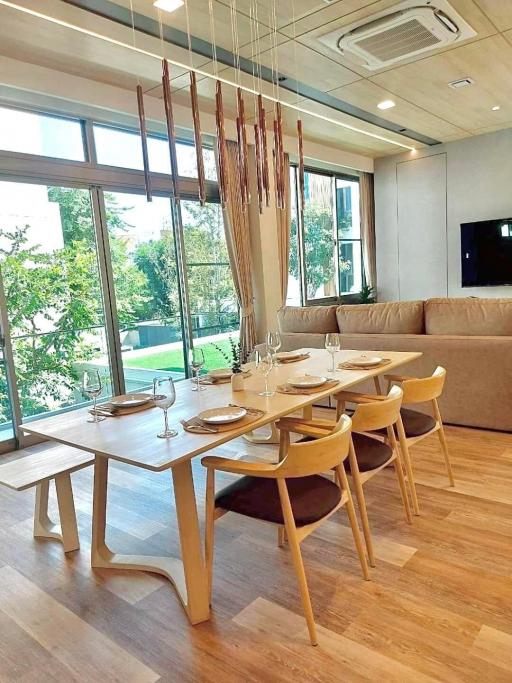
{"points": [[486, 253]]}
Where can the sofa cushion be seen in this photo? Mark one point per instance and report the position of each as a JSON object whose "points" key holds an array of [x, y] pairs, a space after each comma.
{"points": [[397, 317], [469, 317], [319, 319]]}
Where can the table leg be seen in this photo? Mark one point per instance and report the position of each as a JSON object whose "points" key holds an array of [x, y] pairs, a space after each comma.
{"points": [[188, 575]]}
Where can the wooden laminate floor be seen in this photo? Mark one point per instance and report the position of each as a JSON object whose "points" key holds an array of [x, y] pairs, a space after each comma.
{"points": [[439, 607]]}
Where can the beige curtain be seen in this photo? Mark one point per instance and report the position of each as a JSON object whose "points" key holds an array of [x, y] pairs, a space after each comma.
{"points": [[367, 208], [283, 233], [236, 225]]}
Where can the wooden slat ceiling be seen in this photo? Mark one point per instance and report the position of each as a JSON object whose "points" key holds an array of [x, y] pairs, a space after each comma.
{"points": [[424, 102]]}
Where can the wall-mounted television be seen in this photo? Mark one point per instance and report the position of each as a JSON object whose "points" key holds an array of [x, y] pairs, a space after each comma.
{"points": [[486, 253]]}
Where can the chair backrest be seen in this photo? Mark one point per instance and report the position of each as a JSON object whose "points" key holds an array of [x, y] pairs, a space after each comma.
{"points": [[378, 414], [321, 455], [424, 388]]}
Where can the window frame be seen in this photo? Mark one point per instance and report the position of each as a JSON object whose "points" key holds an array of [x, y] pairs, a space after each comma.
{"points": [[346, 297]]}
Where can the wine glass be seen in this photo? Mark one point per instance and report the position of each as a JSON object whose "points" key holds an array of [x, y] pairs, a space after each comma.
{"points": [[273, 343], [332, 344], [164, 396], [264, 364], [92, 388], [196, 360]]}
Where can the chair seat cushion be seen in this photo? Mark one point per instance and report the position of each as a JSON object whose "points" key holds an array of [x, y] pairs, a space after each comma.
{"points": [[311, 498], [415, 423], [370, 453]]}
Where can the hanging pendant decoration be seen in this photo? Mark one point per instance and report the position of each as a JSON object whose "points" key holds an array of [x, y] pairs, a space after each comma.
{"points": [[243, 149], [171, 136], [259, 169], [198, 139], [264, 150], [144, 142], [279, 164], [221, 145], [301, 165]]}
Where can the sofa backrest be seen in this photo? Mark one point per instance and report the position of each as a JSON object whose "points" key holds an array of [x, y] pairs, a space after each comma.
{"points": [[396, 317], [469, 317], [319, 319]]}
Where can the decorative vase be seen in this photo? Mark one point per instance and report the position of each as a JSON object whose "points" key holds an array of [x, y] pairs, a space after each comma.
{"points": [[237, 381]]}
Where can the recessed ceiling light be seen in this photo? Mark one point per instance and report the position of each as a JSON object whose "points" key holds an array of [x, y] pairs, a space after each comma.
{"points": [[168, 5], [386, 104], [496, 107]]}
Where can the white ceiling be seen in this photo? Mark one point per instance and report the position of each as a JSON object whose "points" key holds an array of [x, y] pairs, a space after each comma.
{"points": [[424, 102]]}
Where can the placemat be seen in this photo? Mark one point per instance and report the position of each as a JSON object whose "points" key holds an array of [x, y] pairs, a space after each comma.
{"points": [[195, 425], [348, 366], [296, 359], [298, 391]]}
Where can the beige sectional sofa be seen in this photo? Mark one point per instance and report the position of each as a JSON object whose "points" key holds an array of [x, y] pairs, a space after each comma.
{"points": [[471, 338]]}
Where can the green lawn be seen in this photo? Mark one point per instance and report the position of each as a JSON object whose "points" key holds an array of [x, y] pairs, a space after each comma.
{"points": [[173, 360]]}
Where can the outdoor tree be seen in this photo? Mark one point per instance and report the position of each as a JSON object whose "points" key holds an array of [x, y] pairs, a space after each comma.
{"points": [[51, 303], [318, 251], [55, 303]]}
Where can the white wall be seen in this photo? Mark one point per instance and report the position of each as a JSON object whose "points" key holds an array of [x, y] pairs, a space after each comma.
{"points": [[420, 202]]}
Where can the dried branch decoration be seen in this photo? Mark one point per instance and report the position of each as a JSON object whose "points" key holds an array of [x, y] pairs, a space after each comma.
{"points": [[243, 149], [197, 139], [259, 169], [171, 136], [221, 145], [301, 165], [264, 150], [144, 142], [279, 163]]}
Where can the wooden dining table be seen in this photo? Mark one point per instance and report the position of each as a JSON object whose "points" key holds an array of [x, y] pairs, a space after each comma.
{"points": [[132, 439]]}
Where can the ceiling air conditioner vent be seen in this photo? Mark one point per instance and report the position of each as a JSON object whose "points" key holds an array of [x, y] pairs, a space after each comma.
{"points": [[392, 36]]}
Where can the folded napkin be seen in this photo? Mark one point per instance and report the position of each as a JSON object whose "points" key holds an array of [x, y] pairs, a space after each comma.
{"points": [[295, 359], [207, 379], [197, 426], [303, 391], [347, 365], [109, 410]]}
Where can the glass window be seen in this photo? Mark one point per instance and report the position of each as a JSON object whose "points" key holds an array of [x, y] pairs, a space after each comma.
{"points": [[118, 147], [52, 287], [319, 237], [48, 136], [293, 296], [331, 262], [143, 255], [213, 302], [349, 236]]}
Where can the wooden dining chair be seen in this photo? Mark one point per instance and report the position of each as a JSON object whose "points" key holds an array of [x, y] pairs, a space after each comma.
{"points": [[417, 426], [291, 494], [367, 455]]}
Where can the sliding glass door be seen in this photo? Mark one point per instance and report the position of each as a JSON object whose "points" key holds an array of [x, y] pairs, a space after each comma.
{"points": [[212, 298], [54, 304], [92, 276], [145, 276]]}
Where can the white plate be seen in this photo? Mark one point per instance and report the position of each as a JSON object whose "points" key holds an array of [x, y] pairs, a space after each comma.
{"points": [[130, 400], [288, 355], [365, 361], [221, 373], [307, 381], [222, 416]]}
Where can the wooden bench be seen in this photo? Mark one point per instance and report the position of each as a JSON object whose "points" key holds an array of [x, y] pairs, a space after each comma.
{"points": [[38, 469]]}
